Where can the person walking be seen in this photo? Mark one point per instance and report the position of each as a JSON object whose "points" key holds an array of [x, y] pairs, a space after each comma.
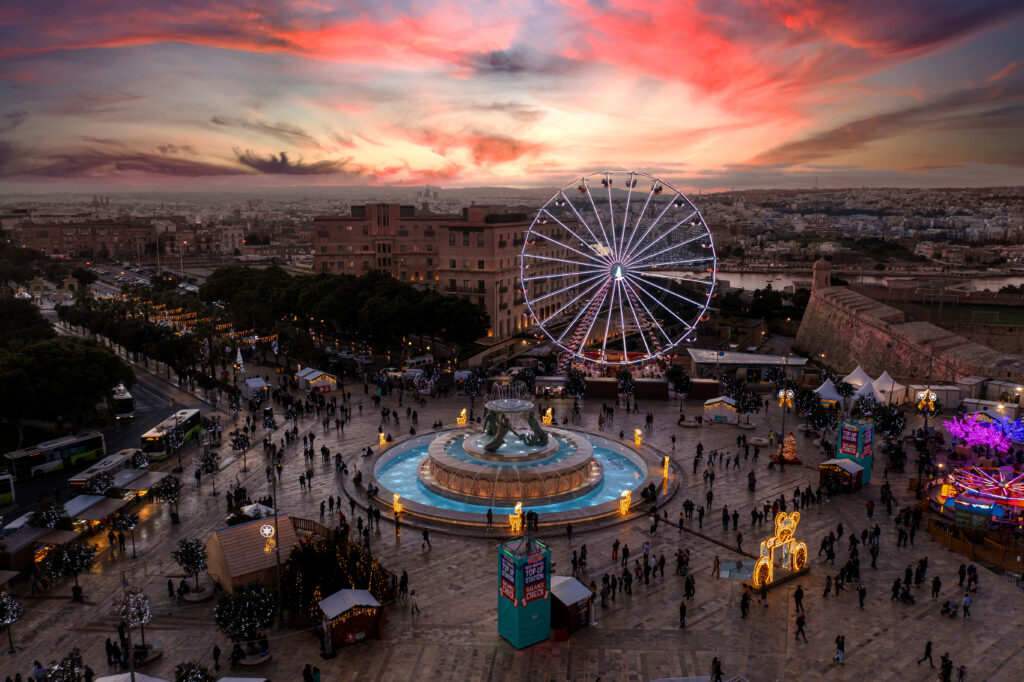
{"points": [[615, 550], [716, 569], [927, 654], [490, 519], [716, 670], [967, 604], [426, 540], [216, 657], [415, 605], [682, 614], [798, 598], [840, 649], [861, 593], [801, 620]]}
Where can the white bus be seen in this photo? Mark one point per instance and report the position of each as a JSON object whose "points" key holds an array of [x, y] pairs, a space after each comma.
{"points": [[113, 463], [122, 404], [155, 441], [55, 454]]}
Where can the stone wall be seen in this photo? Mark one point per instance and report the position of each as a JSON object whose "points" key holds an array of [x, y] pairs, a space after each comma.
{"points": [[851, 329]]}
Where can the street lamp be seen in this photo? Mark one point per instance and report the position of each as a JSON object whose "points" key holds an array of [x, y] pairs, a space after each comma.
{"points": [[277, 555], [785, 396]]}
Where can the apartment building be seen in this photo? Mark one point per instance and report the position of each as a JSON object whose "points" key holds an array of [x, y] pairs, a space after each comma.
{"points": [[475, 255], [95, 238]]}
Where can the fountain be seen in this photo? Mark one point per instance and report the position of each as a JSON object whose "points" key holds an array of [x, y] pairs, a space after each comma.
{"points": [[511, 458]]}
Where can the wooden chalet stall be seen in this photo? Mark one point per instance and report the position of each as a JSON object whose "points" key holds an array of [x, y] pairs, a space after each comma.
{"points": [[241, 555], [350, 616], [570, 609]]}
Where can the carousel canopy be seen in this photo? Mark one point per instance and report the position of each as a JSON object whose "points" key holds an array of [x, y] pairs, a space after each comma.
{"points": [[827, 391], [857, 377]]}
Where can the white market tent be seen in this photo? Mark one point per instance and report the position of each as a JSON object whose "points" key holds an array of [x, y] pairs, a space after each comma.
{"points": [[721, 410], [569, 590], [845, 464], [893, 391], [869, 389], [857, 377], [257, 511], [254, 386], [827, 392], [127, 677], [344, 600]]}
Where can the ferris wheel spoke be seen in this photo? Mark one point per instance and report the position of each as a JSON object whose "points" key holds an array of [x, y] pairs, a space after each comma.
{"points": [[678, 278], [639, 327], [593, 318], [611, 213], [679, 296], [688, 261], [580, 314], [654, 298], [537, 256], [633, 258], [654, 320], [566, 246], [579, 238], [580, 218], [625, 217], [578, 297], [588, 280], [600, 223], [564, 274], [608, 320], [631, 247]]}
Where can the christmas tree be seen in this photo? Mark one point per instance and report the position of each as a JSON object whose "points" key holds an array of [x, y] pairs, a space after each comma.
{"points": [[787, 451]]}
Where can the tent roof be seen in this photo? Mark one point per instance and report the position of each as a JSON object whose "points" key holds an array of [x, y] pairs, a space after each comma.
{"points": [[869, 389], [256, 382], [343, 600], [261, 509], [242, 545], [568, 590], [886, 384], [78, 504], [857, 377], [127, 677], [103, 509], [148, 481], [721, 399], [827, 391], [847, 464]]}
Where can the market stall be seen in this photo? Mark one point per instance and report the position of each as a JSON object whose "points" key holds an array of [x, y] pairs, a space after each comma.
{"points": [[256, 387], [720, 410], [311, 379], [350, 616], [843, 474], [827, 393], [570, 609], [858, 378], [246, 553], [890, 389]]}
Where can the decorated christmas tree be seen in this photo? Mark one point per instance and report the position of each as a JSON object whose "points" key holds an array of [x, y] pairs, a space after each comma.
{"points": [[787, 451]]}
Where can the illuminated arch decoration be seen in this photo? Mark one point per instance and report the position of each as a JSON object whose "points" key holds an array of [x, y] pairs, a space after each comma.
{"points": [[781, 548]]}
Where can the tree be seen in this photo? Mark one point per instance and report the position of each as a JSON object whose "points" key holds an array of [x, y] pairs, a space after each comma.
{"points": [[318, 567], [732, 386], [134, 610], [69, 669], [210, 464], [776, 376], [748, 402], [191, 556], [890, 422], [625, 379], [10, 612], [244, 614], [472, 385], [680, 380], [866, 405], [824, 418], [99, 484], [191, 671], [807, 401], [50, 513], [21, 324], [139, 460], [67, 561], [575, 384], [844, 389], [127, 521], [168, 490]]}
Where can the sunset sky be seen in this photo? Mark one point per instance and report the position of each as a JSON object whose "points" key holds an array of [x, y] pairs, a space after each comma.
{"points": [[710, 93]]}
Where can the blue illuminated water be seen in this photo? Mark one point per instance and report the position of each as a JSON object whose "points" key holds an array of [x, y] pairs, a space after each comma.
{"points": [[455, 449], [400, 475]]}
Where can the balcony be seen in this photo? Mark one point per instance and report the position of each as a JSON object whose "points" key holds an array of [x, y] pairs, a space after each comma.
{"points": [[502, 244], [503, 305], [465, 290], [428, 233], [503, 289]]}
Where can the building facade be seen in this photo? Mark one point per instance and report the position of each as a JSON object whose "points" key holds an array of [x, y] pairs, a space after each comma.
{"points": [[474, 255]]}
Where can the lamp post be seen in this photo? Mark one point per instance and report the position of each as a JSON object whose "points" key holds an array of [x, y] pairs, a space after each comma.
{"points": [[277, 553], [131, 649]]}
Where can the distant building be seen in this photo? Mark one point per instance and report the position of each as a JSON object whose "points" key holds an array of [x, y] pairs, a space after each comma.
{"points": [[474, 255], [92, 239]]}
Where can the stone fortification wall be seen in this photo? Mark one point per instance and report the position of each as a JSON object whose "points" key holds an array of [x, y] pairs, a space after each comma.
{"points": [[851, 329]]}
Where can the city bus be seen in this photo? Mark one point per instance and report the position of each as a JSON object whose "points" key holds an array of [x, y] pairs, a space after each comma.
{"points": [[55, 454], [121, 459], [6, 489], [122, 404], [155, 441]]}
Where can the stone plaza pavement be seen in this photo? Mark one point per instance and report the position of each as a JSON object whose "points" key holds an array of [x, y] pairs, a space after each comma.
{"points": [[637, 637]]}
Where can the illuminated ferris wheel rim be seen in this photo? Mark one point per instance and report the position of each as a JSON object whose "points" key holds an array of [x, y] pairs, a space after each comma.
{"points": [[620, 264]]}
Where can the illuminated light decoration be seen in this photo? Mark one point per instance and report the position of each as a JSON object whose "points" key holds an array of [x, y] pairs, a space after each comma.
{"points": [[926, 401], [781, 548], [515, 519], [624, 502], [267, 531], [615, 252], [666, 465], [786, 396], [973, 431], [549, 417], [638, 437], [395, 504], [382, 439], [462, 418]]}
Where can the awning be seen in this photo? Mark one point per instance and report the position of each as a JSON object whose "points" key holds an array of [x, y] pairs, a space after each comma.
{"points": [[568, 590], [78, 504], [57, 537], [721, 399], [846, 464], [125, 476], [103, 509], [147, 481], [344, 600]]}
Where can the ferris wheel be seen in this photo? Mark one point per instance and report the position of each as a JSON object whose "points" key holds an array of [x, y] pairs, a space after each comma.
{"points": [[618, 268]]}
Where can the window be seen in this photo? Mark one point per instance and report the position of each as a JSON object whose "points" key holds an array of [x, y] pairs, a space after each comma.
{"points": [[479, 265], [416, 275], [480, 301], [465, 263], [452, 285], [465, 238], [430, 261], [401, 248], [451, 239], [430, 247], [348, 228], [452, 264], [404, 275], [480, 284], [430, 274], [366, 229], [465, 284], [480, 239]]}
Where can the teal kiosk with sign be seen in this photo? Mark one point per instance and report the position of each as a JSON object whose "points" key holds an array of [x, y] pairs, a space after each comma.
{"points": [[856, 442], [524, 592]]}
